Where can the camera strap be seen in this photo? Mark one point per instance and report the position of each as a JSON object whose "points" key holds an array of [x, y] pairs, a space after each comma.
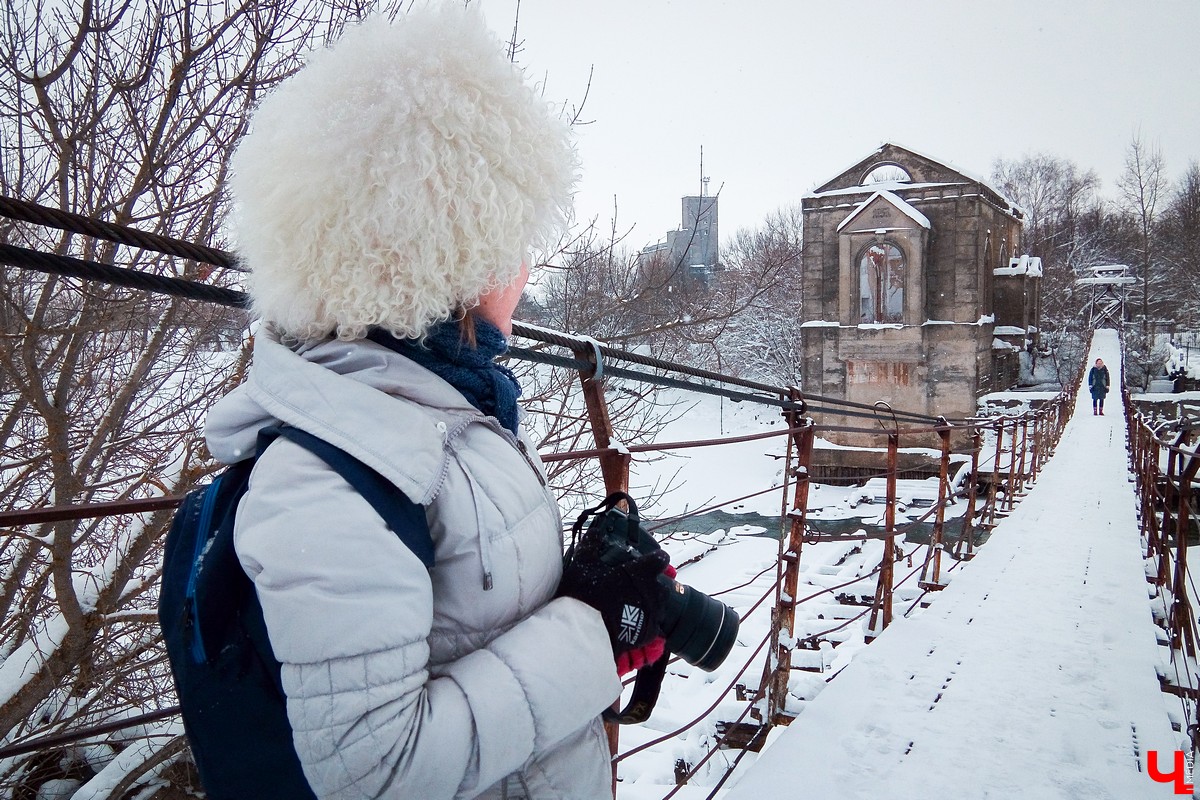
{"points": [[645, 694], [607, 504]]}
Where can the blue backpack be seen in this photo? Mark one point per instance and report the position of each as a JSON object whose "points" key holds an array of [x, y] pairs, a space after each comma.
{"points": [[226, 674]]}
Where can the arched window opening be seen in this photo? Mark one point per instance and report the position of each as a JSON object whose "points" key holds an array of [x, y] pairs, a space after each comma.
{"points": [[881, 273], [886, 173]]}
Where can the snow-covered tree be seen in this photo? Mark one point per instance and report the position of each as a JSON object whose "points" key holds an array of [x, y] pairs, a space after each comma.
{"points": [[125, 112], [1142, 190], [1065, 226], [762, 342], [1143, 187], [1180, 234]]}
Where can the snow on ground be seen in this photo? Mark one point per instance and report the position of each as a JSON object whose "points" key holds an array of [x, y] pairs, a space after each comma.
{"points": [[1032, 675]]}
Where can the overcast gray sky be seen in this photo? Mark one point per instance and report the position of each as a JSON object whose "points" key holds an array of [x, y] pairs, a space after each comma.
{"points": [[784, 94]]}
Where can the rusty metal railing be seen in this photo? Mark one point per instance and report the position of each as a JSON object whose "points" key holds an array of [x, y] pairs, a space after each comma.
{"points": [[1166, 466]]}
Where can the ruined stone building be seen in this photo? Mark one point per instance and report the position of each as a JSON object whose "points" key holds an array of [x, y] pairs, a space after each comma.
{"points": [[914, 291]]}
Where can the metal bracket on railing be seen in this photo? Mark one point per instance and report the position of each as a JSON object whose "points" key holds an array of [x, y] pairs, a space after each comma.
{"points": [[885, 406], [597, 359], [796, 396]]}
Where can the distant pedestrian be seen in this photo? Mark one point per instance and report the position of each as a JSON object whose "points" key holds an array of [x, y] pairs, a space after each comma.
{"points": [[1098, 382]]}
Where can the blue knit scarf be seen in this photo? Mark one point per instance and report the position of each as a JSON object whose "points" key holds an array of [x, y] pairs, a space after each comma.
{"points": [[490, 387]]}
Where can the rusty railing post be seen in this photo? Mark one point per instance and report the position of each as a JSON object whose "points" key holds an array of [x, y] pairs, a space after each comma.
{"points": [[784, 620], [614, 464], [881, 609], [1182, 618], [967, 551], [931, 576], [994, 487], [1039, 423], [1021, 477], [614, 468], [1155, 485], [1010, 497]]}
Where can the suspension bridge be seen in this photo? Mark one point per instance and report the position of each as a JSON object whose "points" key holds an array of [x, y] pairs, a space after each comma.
{"points": [[1056, 660], [1035, 673]]}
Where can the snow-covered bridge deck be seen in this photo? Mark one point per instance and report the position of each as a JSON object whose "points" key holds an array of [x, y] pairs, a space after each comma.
{"points": [[1032, 675]]}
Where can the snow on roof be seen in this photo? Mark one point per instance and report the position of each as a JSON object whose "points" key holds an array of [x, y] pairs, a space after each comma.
{"points": [[1024, 265], [1107, 274], [885, 185], [1008, 330], [1101, 280], [965, 173], [895, 200]]}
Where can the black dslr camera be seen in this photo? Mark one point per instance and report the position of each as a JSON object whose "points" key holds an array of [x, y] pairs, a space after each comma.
{"points": [[698, 629]]}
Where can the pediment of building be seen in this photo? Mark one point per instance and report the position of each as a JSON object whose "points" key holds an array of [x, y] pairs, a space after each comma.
{"points": [[883, 212], [891, 165]]}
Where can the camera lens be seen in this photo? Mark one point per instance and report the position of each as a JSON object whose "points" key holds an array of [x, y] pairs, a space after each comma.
{"points": [[698, 629]]}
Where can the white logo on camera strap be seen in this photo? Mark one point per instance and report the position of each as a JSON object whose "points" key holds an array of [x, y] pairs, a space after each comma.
{"points": [[631, 624]]}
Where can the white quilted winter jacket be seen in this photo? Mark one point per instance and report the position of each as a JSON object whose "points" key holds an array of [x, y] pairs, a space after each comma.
{"points": [[468, 680]]}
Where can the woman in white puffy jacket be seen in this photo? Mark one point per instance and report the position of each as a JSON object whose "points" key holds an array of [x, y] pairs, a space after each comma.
{"points": [[385, 203]]}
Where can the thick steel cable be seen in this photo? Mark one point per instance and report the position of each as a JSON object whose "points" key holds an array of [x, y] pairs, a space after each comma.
{"points": [[120, 276], [584, 344], [121, 234], [582, 365], [25, 258]]}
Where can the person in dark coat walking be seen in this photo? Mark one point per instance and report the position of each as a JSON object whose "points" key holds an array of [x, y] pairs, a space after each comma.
{"points": [[1098, 382]]}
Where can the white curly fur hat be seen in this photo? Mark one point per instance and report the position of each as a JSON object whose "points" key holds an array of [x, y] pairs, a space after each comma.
{"points": [[398, 176]]}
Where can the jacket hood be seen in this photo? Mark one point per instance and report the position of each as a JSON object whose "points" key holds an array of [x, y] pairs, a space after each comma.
{"points": [[358, 396]]}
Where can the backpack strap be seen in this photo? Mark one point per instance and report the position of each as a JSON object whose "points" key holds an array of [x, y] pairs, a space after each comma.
{"points": [[402, 515]]}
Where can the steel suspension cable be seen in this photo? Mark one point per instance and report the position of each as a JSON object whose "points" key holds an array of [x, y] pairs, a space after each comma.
{"points": [[585, 344], [121, 234], [71, 267]]}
